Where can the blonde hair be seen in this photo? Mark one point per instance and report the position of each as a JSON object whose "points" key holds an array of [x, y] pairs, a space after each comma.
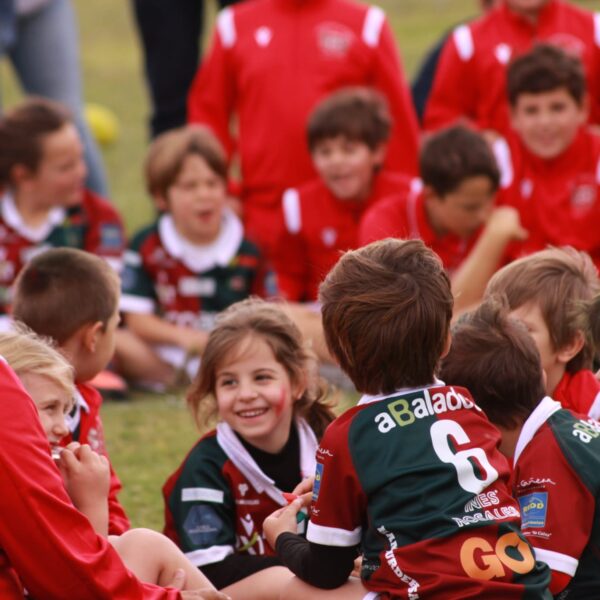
{"points": [[28, 353], [255, 317]]}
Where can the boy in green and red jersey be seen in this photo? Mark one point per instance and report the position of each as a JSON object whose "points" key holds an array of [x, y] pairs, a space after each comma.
{"points": [[555, 452], [412, 476]]}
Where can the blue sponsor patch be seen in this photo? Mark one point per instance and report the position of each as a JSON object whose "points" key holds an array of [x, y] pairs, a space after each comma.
{"points": [[203, 525], [317, 484], [111, 237], [534, 508]]}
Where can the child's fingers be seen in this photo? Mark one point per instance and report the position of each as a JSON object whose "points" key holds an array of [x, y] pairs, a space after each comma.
{"points": [[178, 580], [304, 487]]}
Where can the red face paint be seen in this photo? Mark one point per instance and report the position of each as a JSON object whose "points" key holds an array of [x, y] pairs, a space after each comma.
{"points": [[281, 403]]}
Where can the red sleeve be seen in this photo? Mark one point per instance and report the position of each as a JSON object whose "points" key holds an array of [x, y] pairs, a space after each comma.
{"points": [[453, 92], [212, 96], [290, 258], [388, 77], [557, 541], [334, 521], [52, 546]]}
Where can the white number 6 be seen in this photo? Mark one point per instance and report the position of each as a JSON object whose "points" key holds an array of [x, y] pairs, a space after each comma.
{"points": [[440, 432]]}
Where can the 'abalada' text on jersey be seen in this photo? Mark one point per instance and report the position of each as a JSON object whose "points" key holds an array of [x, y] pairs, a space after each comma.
{"points": [[416, 479], [94, 226], [403, 215], [470, 79], [556, 478], [318, 227], [216, 502], [186, 284], [558, 199]]}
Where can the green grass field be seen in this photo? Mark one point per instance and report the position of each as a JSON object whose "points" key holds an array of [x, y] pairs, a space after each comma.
{"points": [[148, 437]]}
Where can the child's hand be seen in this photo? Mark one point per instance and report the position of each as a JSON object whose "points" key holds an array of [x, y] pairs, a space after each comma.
{"points": [[178, 583], [305, 486], [86, 475], [282, 520], [504, 223]]}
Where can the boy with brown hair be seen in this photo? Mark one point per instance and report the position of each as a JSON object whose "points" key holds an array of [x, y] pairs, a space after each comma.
{"points": [[347, 136], [395, 475], [550, 292], [451, 208], [555, 453], [72, 297], [551, 166]]}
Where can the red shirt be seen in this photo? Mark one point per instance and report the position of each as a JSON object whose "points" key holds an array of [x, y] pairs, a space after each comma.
{"points": [[43, 537], [470, 79], [404, 216], [86, 427], [557, 199], [319, 227], [579, 392], [272, 61]]}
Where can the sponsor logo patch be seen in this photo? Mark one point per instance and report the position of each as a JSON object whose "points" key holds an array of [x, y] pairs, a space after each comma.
{"points": [[317, 484], [534, 508]]}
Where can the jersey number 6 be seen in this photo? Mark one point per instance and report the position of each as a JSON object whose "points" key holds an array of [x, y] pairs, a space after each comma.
{"points": [[463, 461]]}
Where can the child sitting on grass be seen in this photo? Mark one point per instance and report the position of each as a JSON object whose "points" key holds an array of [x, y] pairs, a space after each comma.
{"points": [[347, 137], [44, 202], [258, 376], [550, 292], [72, 297], [48, 379], [192, 263], [405, 476], [555, 453]]}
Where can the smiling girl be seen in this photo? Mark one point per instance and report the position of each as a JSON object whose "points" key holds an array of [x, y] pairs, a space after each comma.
{"points": [[257, 374]]}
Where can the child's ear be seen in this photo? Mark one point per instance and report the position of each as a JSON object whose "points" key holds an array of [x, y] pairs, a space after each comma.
{"points": [[160, 201], [297, 389], [379, 154], [430, 195], [572, 348], [91, 335], [20, 174]]}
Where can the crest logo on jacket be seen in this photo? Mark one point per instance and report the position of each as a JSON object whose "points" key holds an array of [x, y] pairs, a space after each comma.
{"points": [[334, 40]]}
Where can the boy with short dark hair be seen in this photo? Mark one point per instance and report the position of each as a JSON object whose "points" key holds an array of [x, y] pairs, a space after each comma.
{"points": [[551, 291], [451, 208], [412, 475], [555, 453], [347, 137], [72, 297], [551, 169]]}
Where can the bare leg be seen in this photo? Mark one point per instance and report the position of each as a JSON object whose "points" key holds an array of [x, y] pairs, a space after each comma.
{"points": [[137, 361], [263, 585], [154, 558], [296, 589]]}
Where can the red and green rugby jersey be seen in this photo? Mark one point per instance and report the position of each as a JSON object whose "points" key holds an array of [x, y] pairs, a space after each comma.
{"points": [[217, 500], [94, 226], [186, 284], [416, 479], [556, 478]]}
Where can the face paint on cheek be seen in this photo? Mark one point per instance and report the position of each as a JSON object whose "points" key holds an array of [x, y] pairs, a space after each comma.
{"points": [[281, 402]]}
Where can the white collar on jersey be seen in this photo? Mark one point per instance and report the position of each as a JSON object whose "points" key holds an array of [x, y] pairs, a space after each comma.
{"points": [[12, 217], [198, 257], [74, 417], [542, 412], [367, 399], [241, 458]]}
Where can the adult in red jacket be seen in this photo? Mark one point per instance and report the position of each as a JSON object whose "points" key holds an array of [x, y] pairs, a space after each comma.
{"points": [[470, 80], [271, 62], [46, 545]]}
